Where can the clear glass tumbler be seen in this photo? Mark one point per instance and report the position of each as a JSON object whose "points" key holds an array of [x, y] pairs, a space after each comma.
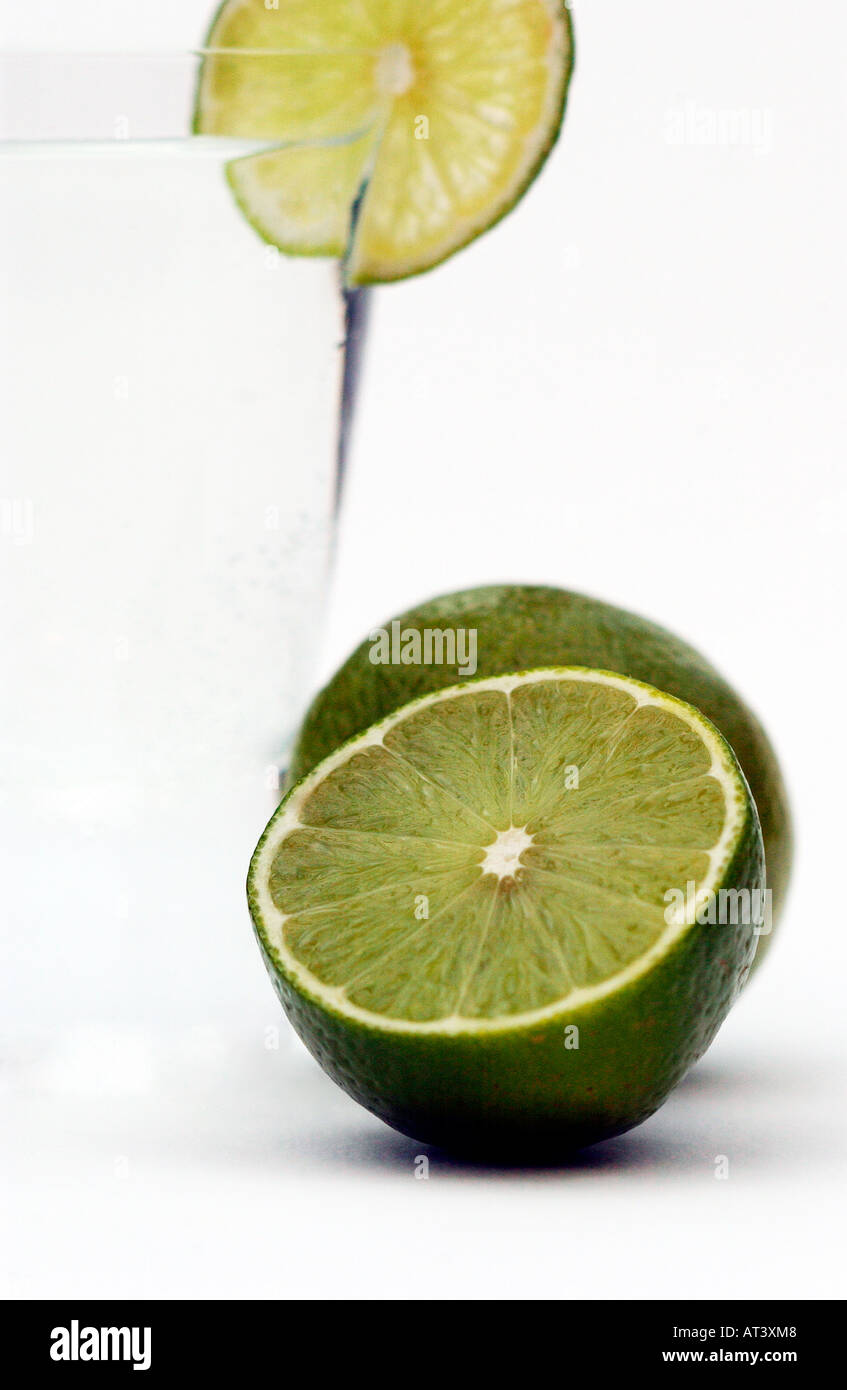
{"points": [[173, 396]]}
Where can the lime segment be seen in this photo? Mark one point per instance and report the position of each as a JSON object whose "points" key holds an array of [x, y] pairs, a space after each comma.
{"points": [[301, 199]]}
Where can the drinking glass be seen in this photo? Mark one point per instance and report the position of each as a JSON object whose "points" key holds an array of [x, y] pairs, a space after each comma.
{"points": [[175, 398]]}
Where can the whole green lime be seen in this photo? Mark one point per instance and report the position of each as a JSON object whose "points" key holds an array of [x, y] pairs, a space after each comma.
{"points": [[522, 627]]}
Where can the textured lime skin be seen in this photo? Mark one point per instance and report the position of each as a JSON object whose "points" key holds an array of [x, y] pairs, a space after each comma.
{"points": [[519, 1093], [521, 627]]}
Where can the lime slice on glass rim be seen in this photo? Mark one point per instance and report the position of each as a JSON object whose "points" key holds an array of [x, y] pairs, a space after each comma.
{"points": [[481, 915], [403, 130]]}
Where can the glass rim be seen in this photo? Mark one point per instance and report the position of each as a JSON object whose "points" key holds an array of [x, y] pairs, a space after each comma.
{"points": [[192, 51], [52, 95]]}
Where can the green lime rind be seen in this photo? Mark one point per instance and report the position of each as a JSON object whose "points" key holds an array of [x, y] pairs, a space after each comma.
{"points": [[522, 627], [512, 1089]]}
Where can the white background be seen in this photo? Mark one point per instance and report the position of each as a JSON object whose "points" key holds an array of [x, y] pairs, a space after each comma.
{"points": [[633, 387]]}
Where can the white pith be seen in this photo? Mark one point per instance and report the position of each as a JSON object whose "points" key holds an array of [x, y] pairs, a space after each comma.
{"points": [[395, 70], [272, 921], [503, 857]]}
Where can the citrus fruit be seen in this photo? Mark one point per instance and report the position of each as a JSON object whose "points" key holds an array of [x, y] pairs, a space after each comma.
{"points": [[519, 627], [403, 130], [484, 915]]}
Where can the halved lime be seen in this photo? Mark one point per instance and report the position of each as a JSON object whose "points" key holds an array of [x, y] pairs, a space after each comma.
{"points": [[482, 914], [521, 626], [426, 121]]}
